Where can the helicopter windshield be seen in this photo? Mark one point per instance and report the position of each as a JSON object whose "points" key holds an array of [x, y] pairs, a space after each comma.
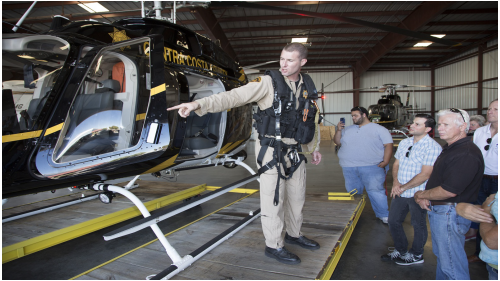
{"points": [[30, 67], [104, 115]]}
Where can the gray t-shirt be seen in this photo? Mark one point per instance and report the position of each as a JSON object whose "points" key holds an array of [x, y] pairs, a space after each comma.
{"points": [[363, 146]]}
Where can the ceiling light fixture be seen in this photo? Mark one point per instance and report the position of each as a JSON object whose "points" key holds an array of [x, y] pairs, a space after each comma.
{"points": [[94, 7], [299, 40], [427, 44], [422, 44]]}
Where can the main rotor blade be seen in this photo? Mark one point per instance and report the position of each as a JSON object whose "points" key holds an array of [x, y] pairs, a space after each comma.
{"points": [[339, 18], [349, 90], [428, 86], [258, 64]]}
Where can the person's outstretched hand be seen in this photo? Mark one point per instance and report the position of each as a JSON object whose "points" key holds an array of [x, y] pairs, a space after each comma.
{"points": [[185, 108]]}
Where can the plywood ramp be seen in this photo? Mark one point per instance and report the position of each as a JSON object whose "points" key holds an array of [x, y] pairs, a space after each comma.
{"points": [[242, 255], [35, 233]]}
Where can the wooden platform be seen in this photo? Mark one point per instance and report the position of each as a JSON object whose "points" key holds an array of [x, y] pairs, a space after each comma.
{"points": [[35, 233], [242, 256]]}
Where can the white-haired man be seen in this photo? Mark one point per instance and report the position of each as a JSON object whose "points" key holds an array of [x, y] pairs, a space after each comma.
{"points": [[456, 177]]}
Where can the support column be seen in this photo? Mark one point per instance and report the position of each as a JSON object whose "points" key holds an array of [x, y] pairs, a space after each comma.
{"points": [[480, 79], [433, 90]]}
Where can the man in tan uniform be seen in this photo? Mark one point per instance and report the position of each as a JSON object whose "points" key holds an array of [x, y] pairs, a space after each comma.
{"points": [[291, 191]]}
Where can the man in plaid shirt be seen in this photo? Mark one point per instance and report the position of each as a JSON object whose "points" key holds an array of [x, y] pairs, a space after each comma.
{"points": [[415, 158]]}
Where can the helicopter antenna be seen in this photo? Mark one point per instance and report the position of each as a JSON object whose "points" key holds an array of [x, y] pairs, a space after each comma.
{"points": [[24, 17]]}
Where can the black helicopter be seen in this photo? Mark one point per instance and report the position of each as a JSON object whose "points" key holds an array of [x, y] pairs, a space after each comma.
{"points": [[389, 111], [86, 102]]}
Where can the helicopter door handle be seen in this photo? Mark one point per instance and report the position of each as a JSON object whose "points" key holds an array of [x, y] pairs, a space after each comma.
{"points": [[154, 133]]}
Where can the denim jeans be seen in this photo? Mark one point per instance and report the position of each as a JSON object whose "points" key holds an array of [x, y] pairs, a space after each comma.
{"points": [[492, 273], [448, 239], [397, 214], [373, 178]]}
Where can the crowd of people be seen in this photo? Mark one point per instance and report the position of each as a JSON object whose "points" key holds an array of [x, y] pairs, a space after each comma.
{"points": [[453, 186], [441, 183]]}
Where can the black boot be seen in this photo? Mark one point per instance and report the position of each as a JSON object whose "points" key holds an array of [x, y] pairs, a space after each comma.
{"points": [[302, 241], [282, 255]]}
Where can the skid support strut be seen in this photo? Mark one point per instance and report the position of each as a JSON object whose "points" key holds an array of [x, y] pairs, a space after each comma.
{"points": [[178, 263], [172, 253]]}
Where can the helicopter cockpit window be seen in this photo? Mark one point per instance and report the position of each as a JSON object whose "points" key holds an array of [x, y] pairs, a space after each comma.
{"points": [[105, 114], [30, 68]]}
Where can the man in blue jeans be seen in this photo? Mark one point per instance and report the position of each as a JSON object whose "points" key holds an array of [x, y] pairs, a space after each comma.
{"points": [[413, 166], [364, 154], [456, 178]]}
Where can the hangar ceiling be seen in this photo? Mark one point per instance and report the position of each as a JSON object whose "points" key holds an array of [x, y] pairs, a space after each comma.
{"points": [[254, 35]]}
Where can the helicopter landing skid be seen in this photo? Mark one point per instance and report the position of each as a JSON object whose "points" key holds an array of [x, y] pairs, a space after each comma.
{"points": [[179, 263]]}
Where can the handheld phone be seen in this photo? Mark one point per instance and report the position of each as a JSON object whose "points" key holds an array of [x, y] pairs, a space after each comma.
{"points": [[342, 119]]}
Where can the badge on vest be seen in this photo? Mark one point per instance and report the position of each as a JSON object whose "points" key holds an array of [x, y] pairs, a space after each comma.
{"points": [[258, 79]]}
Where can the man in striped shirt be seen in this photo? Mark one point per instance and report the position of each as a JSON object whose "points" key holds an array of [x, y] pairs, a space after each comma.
{"points": [[415, 158]]}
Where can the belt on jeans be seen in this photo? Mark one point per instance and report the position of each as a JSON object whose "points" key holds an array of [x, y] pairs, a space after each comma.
{"points": [[490, 177], [434, 203]]}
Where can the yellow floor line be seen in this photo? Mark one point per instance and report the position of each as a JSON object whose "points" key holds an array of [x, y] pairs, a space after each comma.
{"points": [[41, 242], [150, 242], [336, 254]]}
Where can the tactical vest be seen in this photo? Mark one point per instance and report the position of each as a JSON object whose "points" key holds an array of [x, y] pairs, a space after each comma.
{"points": [[286, 120], [297, 123]]}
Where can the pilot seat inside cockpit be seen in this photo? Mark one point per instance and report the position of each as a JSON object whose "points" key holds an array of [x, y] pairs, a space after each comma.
{"points": [[90, 130]]}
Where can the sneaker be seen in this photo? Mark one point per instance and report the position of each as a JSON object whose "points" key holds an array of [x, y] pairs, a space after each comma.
{"points": [[409, 259], [393, 255], [384, 220]]}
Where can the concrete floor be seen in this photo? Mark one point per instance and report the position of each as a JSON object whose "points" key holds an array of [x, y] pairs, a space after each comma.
{"points": [[360, 260]]}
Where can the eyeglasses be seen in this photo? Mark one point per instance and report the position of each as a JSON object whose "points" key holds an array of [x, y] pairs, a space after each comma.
{"points": [[488, 146], [408, 153], [454, 110]]}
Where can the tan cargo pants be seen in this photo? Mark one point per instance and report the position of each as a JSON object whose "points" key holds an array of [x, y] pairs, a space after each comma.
{"points": [[291, 200]]}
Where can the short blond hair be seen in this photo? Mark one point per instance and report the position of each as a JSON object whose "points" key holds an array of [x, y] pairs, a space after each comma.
{"points": [[292, 47]]}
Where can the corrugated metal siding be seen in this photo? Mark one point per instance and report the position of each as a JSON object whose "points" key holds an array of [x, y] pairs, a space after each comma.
{"points": [[461, 97], [489, 94], [490, 64], [458, 73], [492, 43], [462, 55], [420, 97]]}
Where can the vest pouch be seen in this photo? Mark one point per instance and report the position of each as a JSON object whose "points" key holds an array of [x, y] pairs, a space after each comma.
{"points": [[305, 132], [263, 124]]}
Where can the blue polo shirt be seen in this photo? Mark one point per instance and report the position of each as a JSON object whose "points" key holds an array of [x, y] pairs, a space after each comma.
{"points": [[363, 146]]}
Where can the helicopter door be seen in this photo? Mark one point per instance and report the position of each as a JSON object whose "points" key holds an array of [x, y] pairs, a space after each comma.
{"points": [[106, 117], [204, 134]]}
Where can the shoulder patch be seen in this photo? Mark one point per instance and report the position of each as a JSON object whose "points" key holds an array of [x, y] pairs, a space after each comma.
{"points": [[258, 79]]}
